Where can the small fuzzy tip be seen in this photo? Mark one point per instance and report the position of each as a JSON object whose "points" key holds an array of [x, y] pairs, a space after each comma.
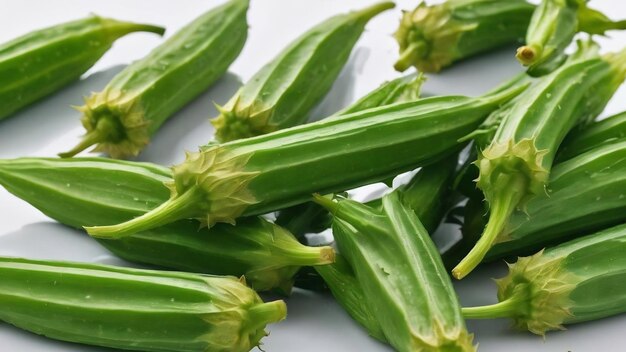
{"points": [[526, 55]]}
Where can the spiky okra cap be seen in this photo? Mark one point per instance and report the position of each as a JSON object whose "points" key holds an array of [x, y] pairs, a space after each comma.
{"points": [[237, 122], [428, 37]]}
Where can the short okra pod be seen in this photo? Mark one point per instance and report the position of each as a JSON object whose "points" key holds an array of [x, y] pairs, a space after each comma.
{"points": [[39, 63], [433, 37], [87, 191], [515, 166], [132, 309], [121, 119], [283, 92], [577, 281], [400, 271], [609, 130], [265, 173]]}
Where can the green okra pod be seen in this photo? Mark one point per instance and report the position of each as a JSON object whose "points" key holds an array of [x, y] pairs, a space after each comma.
{"points": [[608, 130], [120, 119], [87, 191], [400, 271], [433, 37], [577, 281], [515, 166], [41, 62], [265, 173], [283, 92], [133, 309], [552, 29]]}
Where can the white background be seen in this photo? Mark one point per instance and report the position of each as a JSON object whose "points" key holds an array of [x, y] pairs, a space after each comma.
{"points": [[315, 322]]}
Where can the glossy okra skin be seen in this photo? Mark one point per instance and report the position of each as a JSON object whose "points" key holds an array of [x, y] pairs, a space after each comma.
{"points": [[609, 130], [515, 166], [433, 37], [133, 309], [403, 279], [284, 91], [41, 62], [265, 173], [120, 119], [87, 191], [552, 29], [577, 281]]}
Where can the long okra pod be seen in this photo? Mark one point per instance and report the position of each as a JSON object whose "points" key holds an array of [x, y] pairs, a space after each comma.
{"points": [[133, 309], [515, 167], [577, 281], [265, 173], [87, 191], [41, 62], [403, 279], [433, 37], [609, 130], [121, 119], [283, 92]]}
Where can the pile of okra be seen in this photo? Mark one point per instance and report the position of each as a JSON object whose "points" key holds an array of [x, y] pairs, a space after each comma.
{"points": [[528, 171]]}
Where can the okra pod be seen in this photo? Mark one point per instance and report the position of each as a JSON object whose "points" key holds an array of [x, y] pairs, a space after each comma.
{"points": [[577, 281], [283, 92], [609, 130], [552, 29], [41, 62], [86, 191], [401, 273], [121, 119], [434, 37], [132, 309], [515, 167], [265, 173]]}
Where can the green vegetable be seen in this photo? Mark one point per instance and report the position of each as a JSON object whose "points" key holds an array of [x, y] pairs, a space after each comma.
{"points": [[87, 191], [121, 119], [265, 173], [609, 130], [403, 279], [133, 309], [515, 167], [434, 37], [552, 29], [577, 281], [283, 92], [40, 63]]}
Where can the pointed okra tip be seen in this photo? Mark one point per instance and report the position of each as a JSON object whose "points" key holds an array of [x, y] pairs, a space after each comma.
{"points": [[116, 29]]}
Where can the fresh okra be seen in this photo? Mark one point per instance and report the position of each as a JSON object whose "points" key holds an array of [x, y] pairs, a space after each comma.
{"points": [[577, 281], [515, 167], [133, 309], [609, 130], [265, 173], [87, 191], [400, 271], [552, 29], [434, 37], [121, 119], [283, 92], [41, 62]]}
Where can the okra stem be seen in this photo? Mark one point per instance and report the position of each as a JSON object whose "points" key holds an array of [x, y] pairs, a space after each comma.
{"points": [[505, 309], [410, 55], [106, 129], [262, 314]]}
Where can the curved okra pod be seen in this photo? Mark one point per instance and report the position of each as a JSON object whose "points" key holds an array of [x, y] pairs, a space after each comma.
{"points": [[400, 271], [283, 92], [552, 29], [87, 191], [608, 130], [121, 119], [41, 62], [132, 309], [262, 174], [577, 281], [515, 167], [433, 37]]}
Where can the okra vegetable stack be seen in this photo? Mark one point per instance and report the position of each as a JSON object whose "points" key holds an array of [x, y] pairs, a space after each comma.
{"points": [[577, 281], [552, 29], [41, 62], [401, 273], [133, 309], [121, 119], [265, 173], [283, 92], [87, 191], [433, 37], [515, 167]]}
